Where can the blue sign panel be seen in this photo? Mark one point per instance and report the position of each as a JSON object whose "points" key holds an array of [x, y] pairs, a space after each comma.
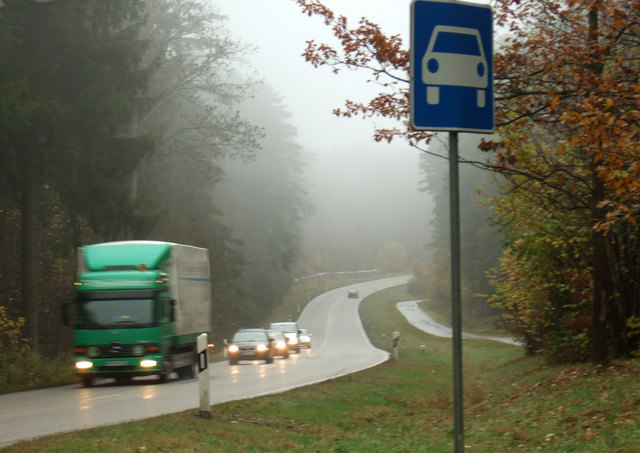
{"points": [[451, 66]]}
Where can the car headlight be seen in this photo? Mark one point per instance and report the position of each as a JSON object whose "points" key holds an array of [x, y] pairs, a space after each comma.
{"points": [[261, 348], [233, 348], [293, 340], [281, 344], [83, 365]]}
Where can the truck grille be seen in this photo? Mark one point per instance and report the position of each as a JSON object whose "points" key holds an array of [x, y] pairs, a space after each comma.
{"points": [[115, 350], [116, 368]]}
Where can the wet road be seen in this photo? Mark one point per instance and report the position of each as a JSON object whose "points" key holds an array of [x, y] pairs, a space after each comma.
{"points": [[339, 346]]}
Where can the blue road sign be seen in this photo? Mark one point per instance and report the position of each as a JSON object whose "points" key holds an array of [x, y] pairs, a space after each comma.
{"points": [[451, 66]]}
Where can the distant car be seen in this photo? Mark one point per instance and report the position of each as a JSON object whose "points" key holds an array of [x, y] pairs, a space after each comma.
{"points": [[353, 294], [250, 344], [291, 331], [305, 339], [280, 343]]}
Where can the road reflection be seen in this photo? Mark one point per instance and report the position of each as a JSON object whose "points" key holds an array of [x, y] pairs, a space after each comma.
{"points": [[150, 392]]}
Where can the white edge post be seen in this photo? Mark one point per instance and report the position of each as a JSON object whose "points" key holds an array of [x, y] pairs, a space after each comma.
{"points": [[203, 376]]}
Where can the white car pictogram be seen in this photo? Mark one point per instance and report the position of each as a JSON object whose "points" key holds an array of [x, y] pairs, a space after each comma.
{"points": [[455, 57]]}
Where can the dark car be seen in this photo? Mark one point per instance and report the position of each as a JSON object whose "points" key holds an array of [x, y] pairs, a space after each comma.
{"points": [[280, 343], [250, 344]]}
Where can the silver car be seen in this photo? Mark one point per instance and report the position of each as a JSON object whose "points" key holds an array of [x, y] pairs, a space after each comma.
{"points": [[305, 339]]}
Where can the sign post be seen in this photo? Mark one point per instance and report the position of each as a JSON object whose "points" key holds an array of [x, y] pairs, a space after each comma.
{"points": [[203, 376], [452, 90]]}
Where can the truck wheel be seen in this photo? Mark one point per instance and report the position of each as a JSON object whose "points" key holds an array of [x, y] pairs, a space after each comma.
{"points": [[87, 381], [164, 374]]}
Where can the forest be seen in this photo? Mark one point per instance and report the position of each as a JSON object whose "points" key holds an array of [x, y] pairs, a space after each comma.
{"points": [[130, 120], [124, 120]]}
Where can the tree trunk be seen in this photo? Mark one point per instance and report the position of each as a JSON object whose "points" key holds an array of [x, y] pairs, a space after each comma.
{"points": [[599, 341], [29, 243], [601, 297]]}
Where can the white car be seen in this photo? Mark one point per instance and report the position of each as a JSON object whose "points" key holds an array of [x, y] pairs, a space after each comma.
{"points": [[290, 331], [455, 57]]}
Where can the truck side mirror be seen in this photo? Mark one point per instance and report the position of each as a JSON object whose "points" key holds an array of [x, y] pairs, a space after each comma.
{"points": [[65, 314]]}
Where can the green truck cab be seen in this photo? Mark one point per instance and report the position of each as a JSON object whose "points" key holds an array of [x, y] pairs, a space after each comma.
{"points": [[139, 308]]}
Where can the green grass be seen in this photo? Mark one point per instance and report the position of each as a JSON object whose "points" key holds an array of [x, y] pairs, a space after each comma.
{"points": [[21, 370], [512, 403]]}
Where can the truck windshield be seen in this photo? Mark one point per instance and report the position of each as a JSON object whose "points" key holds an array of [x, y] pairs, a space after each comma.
{"points": [[109, 313]]}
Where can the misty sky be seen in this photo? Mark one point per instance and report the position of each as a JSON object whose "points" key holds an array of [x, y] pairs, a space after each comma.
{"points": [[350, 174], [280, 30]]}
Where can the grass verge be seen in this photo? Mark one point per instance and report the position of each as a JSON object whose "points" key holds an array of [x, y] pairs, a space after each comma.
{"points": [[511, 403]]}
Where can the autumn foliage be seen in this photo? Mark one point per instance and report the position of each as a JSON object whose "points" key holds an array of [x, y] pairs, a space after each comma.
{"points": [[567, 97]]}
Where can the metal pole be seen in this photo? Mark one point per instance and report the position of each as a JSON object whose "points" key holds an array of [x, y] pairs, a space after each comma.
{"points": [[456, 310]]}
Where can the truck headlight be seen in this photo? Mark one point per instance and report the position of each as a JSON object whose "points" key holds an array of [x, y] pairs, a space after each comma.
{"points": [[148, 363], [84, 365]]}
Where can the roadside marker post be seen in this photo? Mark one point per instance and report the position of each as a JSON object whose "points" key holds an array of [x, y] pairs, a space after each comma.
{"points": [[451, 73], [203, 376], [396, 341]]}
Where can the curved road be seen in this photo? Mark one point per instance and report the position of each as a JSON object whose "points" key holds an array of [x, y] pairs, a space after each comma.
{"points": [[340, 346], [420, 319]]}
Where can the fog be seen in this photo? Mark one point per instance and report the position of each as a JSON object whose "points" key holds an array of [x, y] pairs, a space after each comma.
{"points": [[173, 154], [365, 198], [364, 194]]}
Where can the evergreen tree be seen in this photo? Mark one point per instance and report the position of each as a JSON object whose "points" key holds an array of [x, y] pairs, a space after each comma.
{"points": [[74, 66]]}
